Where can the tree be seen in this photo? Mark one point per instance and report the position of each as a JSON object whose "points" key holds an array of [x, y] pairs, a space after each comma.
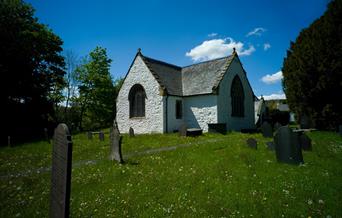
{"points": [[96, 90], [31, 68], [312, 70]]}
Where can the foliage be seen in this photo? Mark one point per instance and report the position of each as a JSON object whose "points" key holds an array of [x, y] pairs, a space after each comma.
{"points": [[313, 70], [211, 176], [31, 68], [282, 117], [96, 90]]}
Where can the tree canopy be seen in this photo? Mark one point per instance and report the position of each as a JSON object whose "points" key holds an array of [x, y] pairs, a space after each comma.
{"points": [[31, 67], [312, 70], [96, 90]]}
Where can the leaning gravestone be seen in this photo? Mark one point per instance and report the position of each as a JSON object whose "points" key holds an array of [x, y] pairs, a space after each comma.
{"points": [[183, 129], [115, 145], [61, 172], [101, 136], [266, 129], [131, 132], [305, 142], [252, 143], [277, 126], [287, 146], [270, 146]]}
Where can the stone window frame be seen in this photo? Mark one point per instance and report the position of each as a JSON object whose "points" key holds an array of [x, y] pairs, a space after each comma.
{"points": [[136, 98], [237, 98]]}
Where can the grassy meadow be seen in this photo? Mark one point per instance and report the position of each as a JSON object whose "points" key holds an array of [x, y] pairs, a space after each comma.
{"points": [[215, 176]]}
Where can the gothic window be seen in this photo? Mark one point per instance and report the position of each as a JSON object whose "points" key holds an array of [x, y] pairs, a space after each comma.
{"points": [[136, 99], [179, 109], [237, 96]]}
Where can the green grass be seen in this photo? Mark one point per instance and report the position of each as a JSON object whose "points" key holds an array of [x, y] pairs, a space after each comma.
{"points": [[217, 176]]}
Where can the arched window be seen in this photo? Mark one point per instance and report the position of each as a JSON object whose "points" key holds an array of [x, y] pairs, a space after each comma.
{"points": [[238, 97], [136, 99]]}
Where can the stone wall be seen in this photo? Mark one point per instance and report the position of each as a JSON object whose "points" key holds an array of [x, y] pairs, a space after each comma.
{"points": [[153, 122]]}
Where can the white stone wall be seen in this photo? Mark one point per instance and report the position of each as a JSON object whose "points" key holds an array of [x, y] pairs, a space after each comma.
{"points": [[224, 100], [200, 110], [153, 122], [172, 122]]}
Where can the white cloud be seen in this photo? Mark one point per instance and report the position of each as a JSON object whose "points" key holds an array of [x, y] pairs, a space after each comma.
{"points": [[274, 78], [273, 96], [216, 48], [212, 34], [256, 32], [267, 46]]}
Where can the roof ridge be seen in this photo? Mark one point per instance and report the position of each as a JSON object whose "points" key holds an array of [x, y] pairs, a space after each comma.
{"points": [[162, 62], [207, 61]]}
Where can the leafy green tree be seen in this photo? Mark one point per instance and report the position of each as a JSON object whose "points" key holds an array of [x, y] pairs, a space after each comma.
{"points": [[312, 70], [31, 68], [96, 90]]}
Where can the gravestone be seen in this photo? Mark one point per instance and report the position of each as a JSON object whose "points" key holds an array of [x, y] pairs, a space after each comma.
{"points": [[287, 146], [61, 172], [183, 129], [9, 141], [115, 144], [101, 136], [305, 142], [340, 129], [131, 132], [252, 143], [270, 146], [266, 129], [304, 122], [277, 126], [90, 135]]}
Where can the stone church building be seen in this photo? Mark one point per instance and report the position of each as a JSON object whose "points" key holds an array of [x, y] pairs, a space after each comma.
{"points": [[157, 97]]}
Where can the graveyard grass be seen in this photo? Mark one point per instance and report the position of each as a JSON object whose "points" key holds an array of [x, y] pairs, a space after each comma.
{"points": [[217, 176]]}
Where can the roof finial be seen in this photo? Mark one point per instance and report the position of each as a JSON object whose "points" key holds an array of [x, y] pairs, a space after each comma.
{"points": [[139, 50], [234, 51]]}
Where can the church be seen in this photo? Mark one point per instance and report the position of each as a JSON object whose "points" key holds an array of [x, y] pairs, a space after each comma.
{"points": [[158, 97]]}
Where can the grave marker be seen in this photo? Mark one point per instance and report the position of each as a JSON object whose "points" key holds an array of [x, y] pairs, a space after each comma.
{"points": [[115, 144], [270, 146], [101, 136], [131, 132], [287, 146], [305, 142], [252, 143], [61, 172], [266, 129], [183, 129]]}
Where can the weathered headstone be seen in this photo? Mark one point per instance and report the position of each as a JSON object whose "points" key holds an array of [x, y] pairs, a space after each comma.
{"points": [[252, 143], [304, 122], [90, 135], [277, 126], [183, 129], [266, 129], [101, 136], [115, 144], [305, 142], [61, 172], [287, 146], [131, 132], [270, 145], [340, 129]]}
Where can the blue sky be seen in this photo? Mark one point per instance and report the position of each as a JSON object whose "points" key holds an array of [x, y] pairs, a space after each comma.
{"points": [[184, 32]]}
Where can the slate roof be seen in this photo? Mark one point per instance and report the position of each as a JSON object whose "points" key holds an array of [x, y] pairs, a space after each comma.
{"points": [[196, 79]]}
